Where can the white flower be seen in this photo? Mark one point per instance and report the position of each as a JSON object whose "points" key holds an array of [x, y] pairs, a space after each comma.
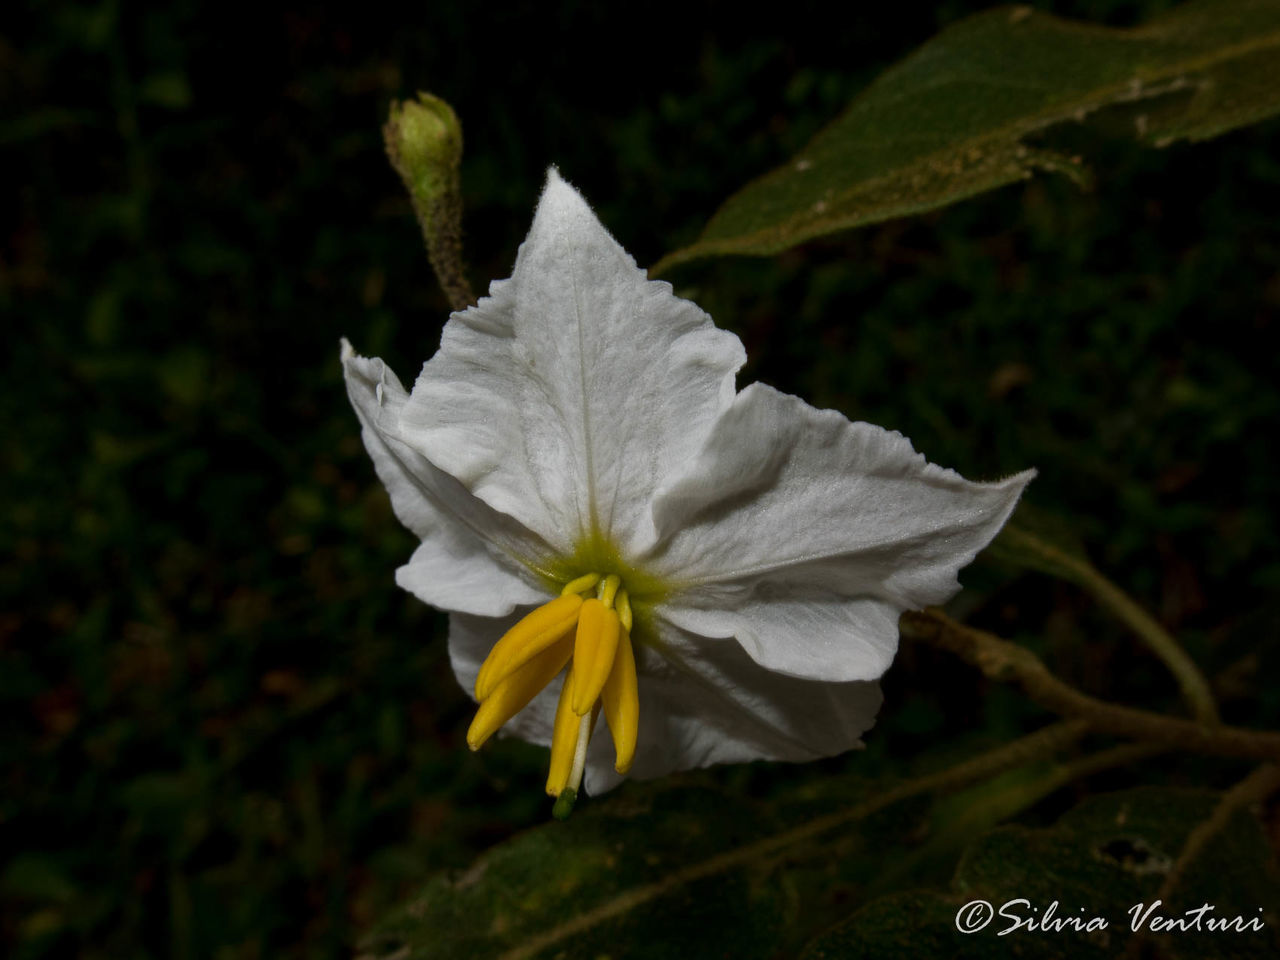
{"points": [[723, 572]]}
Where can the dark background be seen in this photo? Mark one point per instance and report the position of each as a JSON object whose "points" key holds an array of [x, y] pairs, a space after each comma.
{"points": [[225, 732]]}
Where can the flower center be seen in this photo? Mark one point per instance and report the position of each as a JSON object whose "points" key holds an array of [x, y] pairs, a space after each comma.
{"points": [[587, 628]]}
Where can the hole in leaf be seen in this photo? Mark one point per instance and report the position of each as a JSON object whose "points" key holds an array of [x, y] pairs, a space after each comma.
{"points": [[1134, 855]]}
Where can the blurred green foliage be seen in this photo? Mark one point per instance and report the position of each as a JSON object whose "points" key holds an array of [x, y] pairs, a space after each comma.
{"points": [[225, 732]]}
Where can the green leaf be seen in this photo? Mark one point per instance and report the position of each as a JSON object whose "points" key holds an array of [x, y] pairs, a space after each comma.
{"points": [[662, 870], [958, 116], [616, 866], [658, 871], [1103, 857]]}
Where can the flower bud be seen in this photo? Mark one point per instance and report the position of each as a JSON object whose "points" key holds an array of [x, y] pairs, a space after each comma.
{"points": [[424, 143]]}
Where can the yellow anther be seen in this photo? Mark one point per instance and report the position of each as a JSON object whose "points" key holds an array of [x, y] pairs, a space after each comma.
{"points": [[582, 584], [593, 652], [608, 589], [621, 699], [514, 692], [601, 677], [623, 605], [533, 634]]}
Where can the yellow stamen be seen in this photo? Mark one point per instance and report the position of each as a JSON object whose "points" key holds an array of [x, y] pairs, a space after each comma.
{"points": [[608, 589], [528, 638], [514, 693], [623, 606], [601, 677], [593, 652], [584, 582], [621, 699], [564, 739]]}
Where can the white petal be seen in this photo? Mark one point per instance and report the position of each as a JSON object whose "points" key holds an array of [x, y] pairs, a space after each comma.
{"points": [[471, 558], [822, 636], [792, 504], [702, 702], [577, 387]]}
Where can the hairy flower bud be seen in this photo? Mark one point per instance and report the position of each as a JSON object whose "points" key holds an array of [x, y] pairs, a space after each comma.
{"points": [[424, 144], [424, 141]]}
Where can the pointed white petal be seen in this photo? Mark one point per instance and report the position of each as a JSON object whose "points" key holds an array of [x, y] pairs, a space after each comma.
{"points": [[471, 558], [789, 510], [577, 387]]}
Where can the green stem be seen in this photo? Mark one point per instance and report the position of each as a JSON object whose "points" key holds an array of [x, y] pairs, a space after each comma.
{"points": [[1191, 682], [441, 221], [1004, 661], [1121, 756]]}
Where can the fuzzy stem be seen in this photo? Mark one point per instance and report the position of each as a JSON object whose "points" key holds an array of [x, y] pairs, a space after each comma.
{"points": [[1004, 661], [1191, 682], [442, 228]]}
